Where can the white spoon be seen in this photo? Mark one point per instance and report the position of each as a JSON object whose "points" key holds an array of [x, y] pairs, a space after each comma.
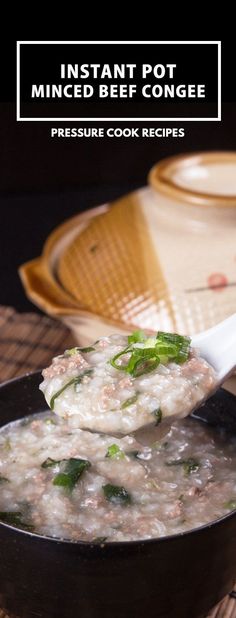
{"points": [[217, 346]]}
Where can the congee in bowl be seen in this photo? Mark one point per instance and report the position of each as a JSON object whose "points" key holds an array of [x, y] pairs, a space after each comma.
{"points": [[64, 474]]}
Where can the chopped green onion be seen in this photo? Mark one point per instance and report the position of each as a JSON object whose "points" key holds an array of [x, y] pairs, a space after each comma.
{"points": [[75, 350], [49, 462], [138, 336], [231, 504], [116, 494], [73, 470], [114, 359], [3, 479], [150, 342], [71, 352], [166, 349], [157, 415], [74, 381], [189, 465], [181, 342], [144, 365], [129, 401], [63, 480], [146, 353], [173, 338], [115, 452], [87, 350], [14, 518], [58, 393], [164, 359]]}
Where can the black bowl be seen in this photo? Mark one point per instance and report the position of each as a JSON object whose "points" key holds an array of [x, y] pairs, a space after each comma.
{"points": [[181, 576]]}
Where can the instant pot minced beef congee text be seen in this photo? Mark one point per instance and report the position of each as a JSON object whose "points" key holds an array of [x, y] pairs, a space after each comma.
{"points": [[60, 477]]}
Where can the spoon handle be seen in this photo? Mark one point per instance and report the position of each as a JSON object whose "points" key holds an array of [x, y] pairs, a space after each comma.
{"points": [[218, 346]]}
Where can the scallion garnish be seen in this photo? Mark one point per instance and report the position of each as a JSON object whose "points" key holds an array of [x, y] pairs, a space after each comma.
{"points": [[143, 353], [173, 338], [73, 470], [14, 518], [115, 358], [74, 381], [116, 494], [143, 363], [115, 452], [75, 350], [129, 402], [189, 465], [49, 462], [138, 336]]}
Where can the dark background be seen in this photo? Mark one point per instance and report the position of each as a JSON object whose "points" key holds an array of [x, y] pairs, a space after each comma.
{"points": [[44, 181]]}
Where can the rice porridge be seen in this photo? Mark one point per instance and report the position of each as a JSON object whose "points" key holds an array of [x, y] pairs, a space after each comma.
{"points": [[114, 489], [61, 480], [119, 385]]}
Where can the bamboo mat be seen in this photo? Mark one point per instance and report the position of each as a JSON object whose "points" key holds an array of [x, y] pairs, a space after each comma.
{"points": [[28, 341]]}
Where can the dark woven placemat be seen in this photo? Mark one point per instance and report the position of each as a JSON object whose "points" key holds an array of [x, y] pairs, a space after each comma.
{"points": [[28, 341]]}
